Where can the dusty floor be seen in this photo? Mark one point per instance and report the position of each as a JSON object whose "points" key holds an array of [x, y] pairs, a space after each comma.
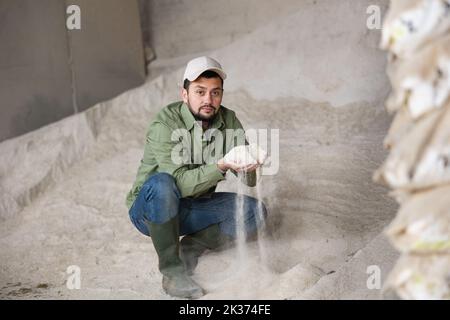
{"points": [[324, 209], [64, 186]]}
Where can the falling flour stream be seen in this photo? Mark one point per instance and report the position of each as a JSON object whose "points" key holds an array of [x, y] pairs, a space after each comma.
{"points": [[242, 245]]}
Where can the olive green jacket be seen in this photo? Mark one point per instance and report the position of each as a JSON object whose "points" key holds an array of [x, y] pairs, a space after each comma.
{"points": [[176, 144]]}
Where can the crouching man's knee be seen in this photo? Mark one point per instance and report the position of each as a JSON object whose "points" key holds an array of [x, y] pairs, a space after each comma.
{"points": [[162, 198]]}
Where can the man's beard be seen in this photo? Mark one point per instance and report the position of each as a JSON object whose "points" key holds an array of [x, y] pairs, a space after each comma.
{"points": [[201, 117]]}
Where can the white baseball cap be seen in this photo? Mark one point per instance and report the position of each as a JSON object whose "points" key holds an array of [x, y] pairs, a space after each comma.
{"points": [[197, 66]]}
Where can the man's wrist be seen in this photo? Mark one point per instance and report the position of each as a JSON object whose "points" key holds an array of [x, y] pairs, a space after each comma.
{"points": [[222, 168], [222, 171]]}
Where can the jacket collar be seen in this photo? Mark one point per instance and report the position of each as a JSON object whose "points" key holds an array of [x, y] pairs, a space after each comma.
{"points": [[189, 120]]}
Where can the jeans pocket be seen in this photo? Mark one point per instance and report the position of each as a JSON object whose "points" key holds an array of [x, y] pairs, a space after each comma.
{"points": [[147, 192]]}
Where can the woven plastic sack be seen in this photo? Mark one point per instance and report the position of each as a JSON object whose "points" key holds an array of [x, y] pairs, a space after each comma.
{"points": [[419, 157], [422, 83], [420, 277], [411, 24], [422, 224]]}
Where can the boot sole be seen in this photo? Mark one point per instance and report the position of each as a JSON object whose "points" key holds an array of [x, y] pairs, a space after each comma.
{"points": [[193, 294]]}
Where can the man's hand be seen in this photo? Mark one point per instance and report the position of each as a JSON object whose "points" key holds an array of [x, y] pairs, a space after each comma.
{"points": [[224, 166]]}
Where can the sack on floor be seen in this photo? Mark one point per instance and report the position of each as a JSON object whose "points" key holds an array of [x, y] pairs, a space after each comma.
{"points": [[422, 82], [411, 24], [421, 158], [420, 277], [422, 224]]}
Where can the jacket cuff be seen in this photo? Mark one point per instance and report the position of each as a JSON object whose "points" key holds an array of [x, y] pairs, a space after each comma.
{"points": [[213, 172]]}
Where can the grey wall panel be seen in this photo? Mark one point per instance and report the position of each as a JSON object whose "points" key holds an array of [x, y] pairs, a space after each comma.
{"points": [[34, 74], [48, 72], [108, 51]]}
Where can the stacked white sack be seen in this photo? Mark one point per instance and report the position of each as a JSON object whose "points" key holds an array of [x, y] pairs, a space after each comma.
{"points": [[416, 36]]}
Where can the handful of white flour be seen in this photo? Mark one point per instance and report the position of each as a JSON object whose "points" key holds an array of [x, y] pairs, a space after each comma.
{"points": [[246, 155]]}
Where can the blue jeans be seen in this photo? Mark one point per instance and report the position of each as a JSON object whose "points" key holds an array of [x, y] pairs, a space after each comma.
{"points": [[159, 200]]}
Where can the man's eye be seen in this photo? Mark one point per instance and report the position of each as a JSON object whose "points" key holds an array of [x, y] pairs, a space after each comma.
{"points": [[200, 92]]}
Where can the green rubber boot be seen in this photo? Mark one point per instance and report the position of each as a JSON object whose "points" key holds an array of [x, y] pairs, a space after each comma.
{"points": [[176, 281], [192, 246]]}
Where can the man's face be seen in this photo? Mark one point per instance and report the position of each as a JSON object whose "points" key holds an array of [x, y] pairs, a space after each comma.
{"points": [[204, 97]]}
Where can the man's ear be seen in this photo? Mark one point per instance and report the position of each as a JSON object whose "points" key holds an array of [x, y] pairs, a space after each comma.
{"points": [[184, 95]]}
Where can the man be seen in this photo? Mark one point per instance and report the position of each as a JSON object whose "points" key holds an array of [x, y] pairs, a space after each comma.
{"points": [[171, 198]]}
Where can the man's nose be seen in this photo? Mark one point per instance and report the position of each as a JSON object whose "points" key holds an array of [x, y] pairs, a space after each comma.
{"points": [[208, 98]]}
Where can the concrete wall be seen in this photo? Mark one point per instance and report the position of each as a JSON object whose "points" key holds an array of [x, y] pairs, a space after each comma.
{"points": [[184, 27], [35, 78], [48, 72]]}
